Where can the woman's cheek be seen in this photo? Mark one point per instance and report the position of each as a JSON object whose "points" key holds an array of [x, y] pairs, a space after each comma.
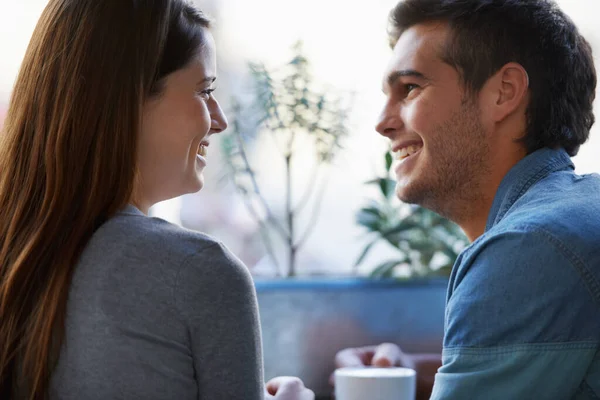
{"points": [[200, 116]]}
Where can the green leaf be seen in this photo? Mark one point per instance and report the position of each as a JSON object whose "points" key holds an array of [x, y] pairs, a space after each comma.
{"points": [[387, 186], [426, 257], [373, 182], [388, 161], [450, 253], [423, 246], [403, 226], [364, 253], [444, 271], [390, 189], [386, 269], [369, 218]]}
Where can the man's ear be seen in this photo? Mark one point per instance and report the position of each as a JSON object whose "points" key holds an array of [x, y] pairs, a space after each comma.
{"points": [[507, 91]]}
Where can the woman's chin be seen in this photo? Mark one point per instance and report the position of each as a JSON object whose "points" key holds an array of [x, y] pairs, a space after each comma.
{"points": [[198, 183]]}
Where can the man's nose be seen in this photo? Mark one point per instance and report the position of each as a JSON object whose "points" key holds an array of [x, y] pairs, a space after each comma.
{"points": [[389, 121]]}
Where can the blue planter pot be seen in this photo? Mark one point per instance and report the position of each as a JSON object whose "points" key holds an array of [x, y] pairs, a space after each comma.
{"points": [[306, 321]]}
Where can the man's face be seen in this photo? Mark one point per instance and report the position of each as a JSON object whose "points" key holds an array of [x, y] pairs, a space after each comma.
{"points": [[433, 124]]}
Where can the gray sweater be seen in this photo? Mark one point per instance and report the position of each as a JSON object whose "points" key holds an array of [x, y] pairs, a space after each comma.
{"points": [[159, 312]]}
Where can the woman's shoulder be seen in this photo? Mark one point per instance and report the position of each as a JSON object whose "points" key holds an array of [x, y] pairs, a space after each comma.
{"points": [[154, 239]]}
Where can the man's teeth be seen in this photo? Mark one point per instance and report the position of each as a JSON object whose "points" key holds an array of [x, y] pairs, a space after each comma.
{"points": [[202, 150], [408, 151]]}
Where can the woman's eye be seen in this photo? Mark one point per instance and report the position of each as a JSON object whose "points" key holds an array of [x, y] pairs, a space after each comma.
{"points": [[205, 94]]}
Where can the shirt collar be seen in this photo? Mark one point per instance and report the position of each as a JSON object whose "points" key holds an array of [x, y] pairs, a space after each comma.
{"points": [[522, 176]]}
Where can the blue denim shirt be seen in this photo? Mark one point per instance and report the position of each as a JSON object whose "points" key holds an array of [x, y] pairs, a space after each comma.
{"points": [[523, 306]]}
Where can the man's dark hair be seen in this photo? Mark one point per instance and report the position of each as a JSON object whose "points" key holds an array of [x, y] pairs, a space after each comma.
{"points": [[488, 34]]}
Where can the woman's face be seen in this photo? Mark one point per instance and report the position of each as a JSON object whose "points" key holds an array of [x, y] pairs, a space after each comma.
{"points": [[176, 130]]}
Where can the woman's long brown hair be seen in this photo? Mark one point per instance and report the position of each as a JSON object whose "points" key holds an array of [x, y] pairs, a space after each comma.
{"points": [[67, 158]]}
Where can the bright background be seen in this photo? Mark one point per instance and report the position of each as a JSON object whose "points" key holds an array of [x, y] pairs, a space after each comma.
{"points": [[346, 44]]}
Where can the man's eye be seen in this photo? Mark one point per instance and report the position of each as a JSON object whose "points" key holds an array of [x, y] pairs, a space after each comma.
{"points": [[409, 87]]}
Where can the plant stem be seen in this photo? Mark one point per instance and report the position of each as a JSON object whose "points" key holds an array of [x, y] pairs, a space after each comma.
{"points": [[312, 183], [315, 212], [264, 234], [290, 215], [270, 217], [289, 208]]}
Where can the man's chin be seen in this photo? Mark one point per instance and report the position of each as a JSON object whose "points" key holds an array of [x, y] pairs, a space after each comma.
{"points": [[406, 195]]}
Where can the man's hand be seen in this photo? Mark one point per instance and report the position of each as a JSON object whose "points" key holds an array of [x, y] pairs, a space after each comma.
{"points": [[390, 355], [384, 355], [287, 388]]}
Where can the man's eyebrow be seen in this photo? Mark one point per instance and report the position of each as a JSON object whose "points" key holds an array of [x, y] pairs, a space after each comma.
{"points": [[394, 76]]}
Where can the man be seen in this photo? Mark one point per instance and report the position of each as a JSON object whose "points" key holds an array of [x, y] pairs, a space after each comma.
{"points": [[486, 102]]}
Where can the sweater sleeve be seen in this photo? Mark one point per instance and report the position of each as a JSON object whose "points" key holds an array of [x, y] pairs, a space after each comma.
{"points": [[216, 297]]}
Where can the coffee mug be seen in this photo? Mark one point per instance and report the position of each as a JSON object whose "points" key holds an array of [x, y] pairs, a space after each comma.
{"points": [[371, 383]]}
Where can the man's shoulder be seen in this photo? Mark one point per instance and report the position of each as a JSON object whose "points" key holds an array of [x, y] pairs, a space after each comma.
{"points": [[541, 262], [522, 285], [511, 250], [564, 204], [543, 246], [558, 215], [565, 185]]}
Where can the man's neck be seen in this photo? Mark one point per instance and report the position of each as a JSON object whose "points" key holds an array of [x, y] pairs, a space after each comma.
{"points": [[474, 218]]}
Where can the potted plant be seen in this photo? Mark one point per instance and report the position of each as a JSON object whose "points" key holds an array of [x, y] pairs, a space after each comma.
{"points": [[427, 244], [287, 107]]}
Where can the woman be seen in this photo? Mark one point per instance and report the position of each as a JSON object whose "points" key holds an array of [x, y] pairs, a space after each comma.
{"points": [[112, 112]]}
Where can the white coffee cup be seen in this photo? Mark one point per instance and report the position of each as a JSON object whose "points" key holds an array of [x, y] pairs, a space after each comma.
{"points": [[370, 383]]}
